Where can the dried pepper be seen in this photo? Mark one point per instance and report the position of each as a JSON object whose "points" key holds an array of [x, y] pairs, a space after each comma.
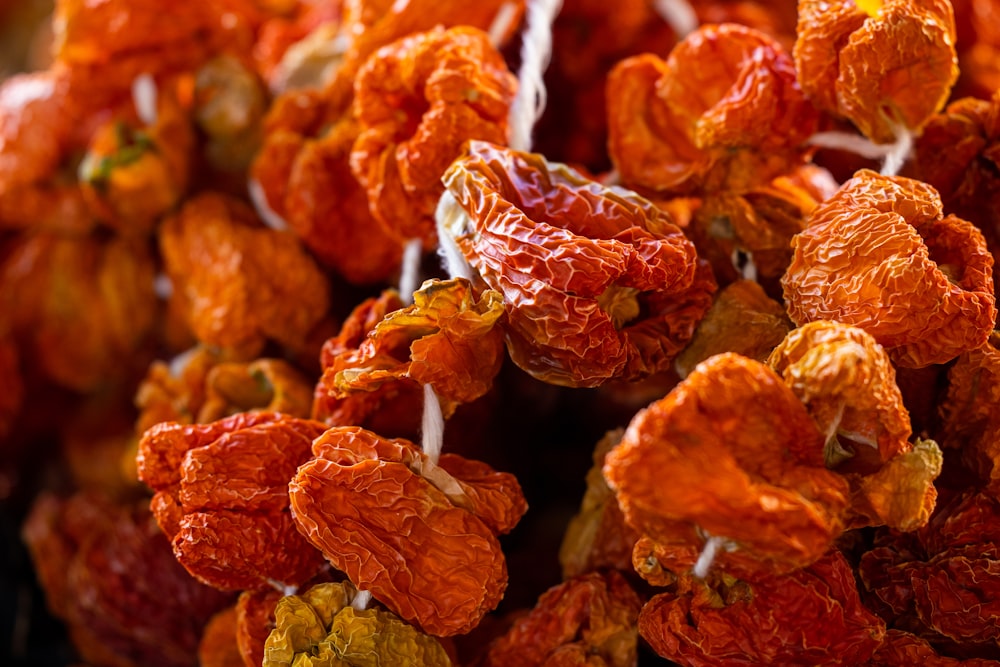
{"points": [[958, 154], [82, 309], [597, 282], [942, 585], [417, 102], [722, 112], [238, 283], [449, 339], [597, 536], [90, 549], [848, 385], [200, 386], [881, 255], [587, 620], [303, 169], [391, 409], [421, 537], [970, 412], [812, 616], [218, 647], [742, 319], [754, 478], [254, 623], [886, 65], [239, 534], [133, 173], [320, 627]]}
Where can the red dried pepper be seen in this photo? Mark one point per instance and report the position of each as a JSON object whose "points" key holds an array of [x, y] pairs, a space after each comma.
{"points": [[238, 534], [886, 65], [597, 282], [239, 283], [105, 568], [810, 617], [588, 620]]}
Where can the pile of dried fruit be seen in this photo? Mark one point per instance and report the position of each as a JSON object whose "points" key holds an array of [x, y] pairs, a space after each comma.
{"points": [[306, 354]]}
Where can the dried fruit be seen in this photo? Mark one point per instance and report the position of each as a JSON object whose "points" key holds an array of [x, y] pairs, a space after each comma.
{"points": [[420, 537], [811, 616], [886, 65], [449, 339], [588, 620], [597, 282], [723, 112], [417, 102], [881, 255], [752, 477], [321, 628], [239, 283], [224, 501], [109, 574]]}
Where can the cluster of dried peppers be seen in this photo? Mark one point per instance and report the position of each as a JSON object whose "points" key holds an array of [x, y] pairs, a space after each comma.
{"points": [[222, 423]]}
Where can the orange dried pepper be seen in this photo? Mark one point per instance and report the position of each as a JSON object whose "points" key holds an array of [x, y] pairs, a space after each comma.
{"points": [[134, 173], [254, 622], [392, 409], [224, 506], [105, 567], [82, 310], [752, 476], [239, 283], [880, 255], [903, 649], [886, 65], [812, 616], [722, 112], [449, 339], [218, 647], [970, 412], [598, 283], [417, 101], [588, 620], [748, 235], [597, 536], [959, 155], [420, 537], [742, 319], [304, 172]]}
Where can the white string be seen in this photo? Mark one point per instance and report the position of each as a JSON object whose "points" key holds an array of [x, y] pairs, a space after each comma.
{"points": [[361, 600], [711, 549], [893, 155], [451, 219], [536, 50], [284, 589], [264, 211], [678, 14], [409, 271], [500, 27], [144, 98], [432, 425]]}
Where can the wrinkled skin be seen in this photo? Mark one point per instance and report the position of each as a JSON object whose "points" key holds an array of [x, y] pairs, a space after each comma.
{"points": [[809, 617], [886, 70], [597, 282], [754, 477], [881, 255], [420, 537], [733, 121]]}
